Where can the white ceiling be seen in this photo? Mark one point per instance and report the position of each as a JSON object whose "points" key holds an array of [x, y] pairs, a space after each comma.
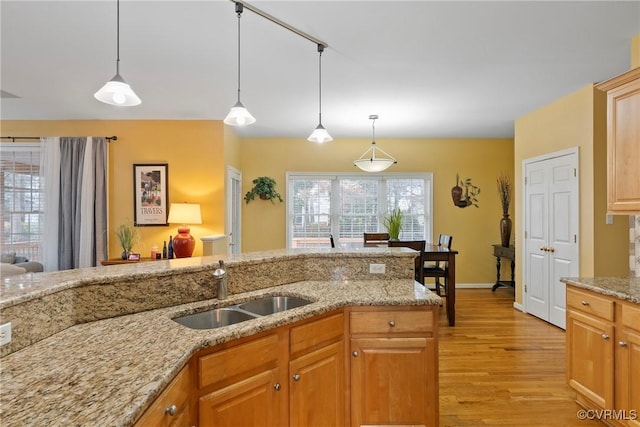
{"points": [[428, 69]]}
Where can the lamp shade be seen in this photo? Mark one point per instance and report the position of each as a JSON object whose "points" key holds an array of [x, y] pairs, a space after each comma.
{"points": [[117, 92], [239, 116], [320, 135], [373, 164], [184, 213]]}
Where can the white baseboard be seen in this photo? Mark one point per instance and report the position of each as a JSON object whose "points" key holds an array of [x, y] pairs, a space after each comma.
{"points": [[518, 306], [474, 285]]}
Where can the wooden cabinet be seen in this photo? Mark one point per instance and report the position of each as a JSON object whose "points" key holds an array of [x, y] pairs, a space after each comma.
{"points": [[172, 408], [240, 384], [628, 363], [316, 373], [603, 354], [394, 366], [623, 143]]}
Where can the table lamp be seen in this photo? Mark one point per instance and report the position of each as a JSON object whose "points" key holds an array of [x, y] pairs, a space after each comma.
{"points": [[184, 213]]}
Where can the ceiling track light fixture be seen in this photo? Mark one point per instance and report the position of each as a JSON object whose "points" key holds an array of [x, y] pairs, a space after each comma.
{"points": [[320, 134], [117, 91], [368, 162], [239, 115]]}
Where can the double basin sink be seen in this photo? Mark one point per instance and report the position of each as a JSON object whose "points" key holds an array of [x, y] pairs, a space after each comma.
{"points": [[225, 316]]}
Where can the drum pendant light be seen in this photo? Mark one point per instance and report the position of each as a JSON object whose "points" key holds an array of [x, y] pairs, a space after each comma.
{"points": [[369, 162], [239, 115], [117, 91], [320, 134]]}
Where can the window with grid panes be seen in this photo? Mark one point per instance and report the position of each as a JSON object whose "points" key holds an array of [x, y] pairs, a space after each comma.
{"points": [[348, 205], [21, 192]]}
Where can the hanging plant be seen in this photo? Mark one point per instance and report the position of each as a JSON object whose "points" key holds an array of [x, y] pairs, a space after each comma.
{"points": [[464, 193], [265, 188]]}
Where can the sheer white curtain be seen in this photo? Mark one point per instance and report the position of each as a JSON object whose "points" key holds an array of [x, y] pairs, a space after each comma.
{"points": [[75, 215]]}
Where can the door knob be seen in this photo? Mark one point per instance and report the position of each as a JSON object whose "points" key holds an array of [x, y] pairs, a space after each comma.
{"points": [[171, 410], [296, 377], [605, 336], [277, 387], [392, 323], [622, 344], [355, 354]]}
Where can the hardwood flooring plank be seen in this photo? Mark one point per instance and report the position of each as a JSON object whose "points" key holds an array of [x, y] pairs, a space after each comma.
{"points": [[501, 367]]}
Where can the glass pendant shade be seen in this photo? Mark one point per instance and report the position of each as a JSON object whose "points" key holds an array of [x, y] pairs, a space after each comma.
{"points": [[320, 135], [369, 162], [117, 92], [239, 116]]}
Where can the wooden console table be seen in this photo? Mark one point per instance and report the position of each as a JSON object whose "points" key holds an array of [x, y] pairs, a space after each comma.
{"points": [[500, 251]]}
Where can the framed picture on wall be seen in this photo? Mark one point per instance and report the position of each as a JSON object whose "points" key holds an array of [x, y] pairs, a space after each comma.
{"points": [[150, 196]]}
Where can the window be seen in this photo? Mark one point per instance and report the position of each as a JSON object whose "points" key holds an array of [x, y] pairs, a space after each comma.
{"points": [[348, 205], [22, 199]]}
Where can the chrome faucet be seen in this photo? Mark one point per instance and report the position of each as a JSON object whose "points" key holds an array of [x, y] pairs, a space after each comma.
{"points": [[221, 280]]}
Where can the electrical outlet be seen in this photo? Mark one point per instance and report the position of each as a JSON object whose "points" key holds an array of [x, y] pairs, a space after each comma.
{"points": [[5, 334], [377, 268]]}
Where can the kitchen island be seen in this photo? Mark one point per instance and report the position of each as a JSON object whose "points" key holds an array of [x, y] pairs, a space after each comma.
{"points": [[108, 345], [603, 346]]}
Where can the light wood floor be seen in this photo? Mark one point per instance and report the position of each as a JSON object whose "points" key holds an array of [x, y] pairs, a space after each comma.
{"points": [[500, 367]]}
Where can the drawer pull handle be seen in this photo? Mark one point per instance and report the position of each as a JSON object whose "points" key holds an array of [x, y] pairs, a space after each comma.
{"points": [[622, 344], [605, 336], [355, 354], [277, 387], [392, 323], [171, 410], [585, 303], [296, 377]]}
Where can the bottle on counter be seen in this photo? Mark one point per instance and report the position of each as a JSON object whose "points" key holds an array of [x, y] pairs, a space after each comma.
{"points": [[170, 248], [164, 250]]}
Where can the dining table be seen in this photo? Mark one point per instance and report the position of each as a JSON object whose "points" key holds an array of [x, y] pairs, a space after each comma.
{"points": [[433, 252]]}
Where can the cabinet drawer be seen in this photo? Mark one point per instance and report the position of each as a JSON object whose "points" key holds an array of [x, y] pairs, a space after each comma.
{"points": [[590, 303], [321, 331], [177, 393], [237, 361], [391, 321], [631, 316]]}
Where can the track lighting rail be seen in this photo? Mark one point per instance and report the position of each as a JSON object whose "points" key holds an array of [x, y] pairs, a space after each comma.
{"points": [[281, 23], [13, 138]]}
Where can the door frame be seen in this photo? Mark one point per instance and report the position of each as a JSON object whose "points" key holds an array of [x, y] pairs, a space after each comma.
{"points": [[233, 222], [575, 151]]}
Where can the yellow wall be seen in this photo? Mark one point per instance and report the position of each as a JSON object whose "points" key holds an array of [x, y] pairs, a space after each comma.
{"points": [[474, 230], [576, 120], [193, 150]]}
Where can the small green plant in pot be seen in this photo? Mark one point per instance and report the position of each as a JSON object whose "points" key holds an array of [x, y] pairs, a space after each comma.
{"points": [[393, 223], [265, 188], [127, 236]]}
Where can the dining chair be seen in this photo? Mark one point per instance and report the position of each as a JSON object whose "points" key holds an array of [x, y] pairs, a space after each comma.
{"points": [[417, 245], [438, 269], [374, 239]]}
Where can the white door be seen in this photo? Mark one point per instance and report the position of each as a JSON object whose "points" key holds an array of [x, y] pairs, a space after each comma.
{"points": [[233, 223], [551, 233]]}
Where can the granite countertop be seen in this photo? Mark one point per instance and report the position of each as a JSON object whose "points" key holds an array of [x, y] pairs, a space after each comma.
{"points": [[625, 288], [107, 372]]}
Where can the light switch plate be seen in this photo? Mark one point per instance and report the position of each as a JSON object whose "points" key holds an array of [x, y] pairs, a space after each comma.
{"points": [[5, 334]]}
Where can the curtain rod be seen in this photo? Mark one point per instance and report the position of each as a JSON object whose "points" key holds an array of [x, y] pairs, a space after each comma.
{"points": [[13, 138], [281, 23]]}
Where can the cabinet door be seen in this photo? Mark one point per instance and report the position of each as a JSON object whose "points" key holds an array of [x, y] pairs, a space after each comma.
{"points": [[590, 346], [316, 384], [172, 407], [250, 402], [628, 375], [392, 380], [623, 146]]}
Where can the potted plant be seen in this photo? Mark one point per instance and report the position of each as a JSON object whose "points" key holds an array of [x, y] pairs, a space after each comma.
{"points": [[265, 188], [393, 223], [504, 191], [127, 236]]}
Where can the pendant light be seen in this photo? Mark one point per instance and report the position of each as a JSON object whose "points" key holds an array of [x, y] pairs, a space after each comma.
{"points": [[117, 91], [239, 115], [320, 134], [369, 162]]}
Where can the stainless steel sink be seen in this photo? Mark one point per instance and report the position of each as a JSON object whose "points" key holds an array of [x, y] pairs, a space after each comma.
{"points": [[215, 318], [271, 305]]}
